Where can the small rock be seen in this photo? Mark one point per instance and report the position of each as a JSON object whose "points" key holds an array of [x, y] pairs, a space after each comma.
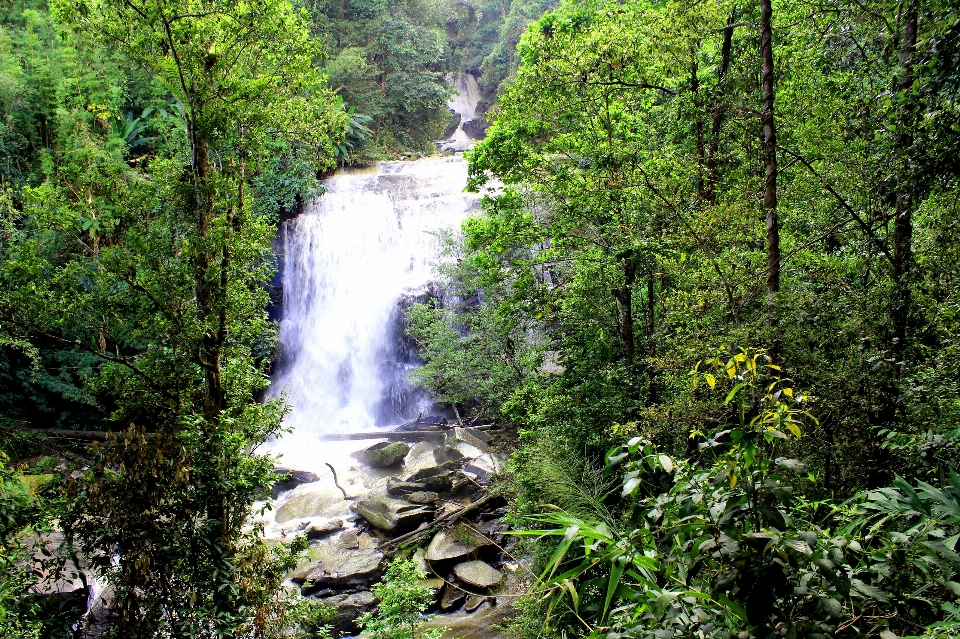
{"points": [[423, 497], [452, 598], [474, 602], [382, 455], [478, 573], [397, 488], [322, 529], [349, 539]]}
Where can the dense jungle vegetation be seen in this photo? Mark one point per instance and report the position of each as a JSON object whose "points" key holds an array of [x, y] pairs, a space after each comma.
{"points": [[718, 284]]}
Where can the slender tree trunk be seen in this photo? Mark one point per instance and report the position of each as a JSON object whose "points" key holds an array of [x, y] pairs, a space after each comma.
{"points": [[903, 219], [718, 114], [770, 161], [698, 125]]}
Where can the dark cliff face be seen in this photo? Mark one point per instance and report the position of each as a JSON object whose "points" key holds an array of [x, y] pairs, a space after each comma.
{"points": [[403, 399]]}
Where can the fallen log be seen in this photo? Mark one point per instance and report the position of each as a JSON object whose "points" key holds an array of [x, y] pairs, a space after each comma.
{"points": [[390, 435], [86, 435], [442, 522]]}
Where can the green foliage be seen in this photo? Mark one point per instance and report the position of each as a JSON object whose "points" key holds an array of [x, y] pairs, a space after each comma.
{"points": [[719, 543], [135, 243], [403, 600], [388, 61]]}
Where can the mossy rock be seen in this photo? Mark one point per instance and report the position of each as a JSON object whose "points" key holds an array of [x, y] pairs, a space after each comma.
{"points": [[382, 455]]}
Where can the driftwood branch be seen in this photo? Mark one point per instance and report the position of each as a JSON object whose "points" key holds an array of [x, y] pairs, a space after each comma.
{"points": [[336, 481]]}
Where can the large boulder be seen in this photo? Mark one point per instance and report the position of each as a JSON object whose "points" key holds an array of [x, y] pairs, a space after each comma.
{"points": [[454, 543], [478, 573], [392, 515], [320, 529], [356, 570], [290, 478], [382, 455]]}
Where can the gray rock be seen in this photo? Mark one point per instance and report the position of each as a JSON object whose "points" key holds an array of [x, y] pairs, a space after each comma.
{"points": [[391, 515], [485, 466], [349, 539], [482, 435], [470, 437], [468, 450], [454, 543], [322, 529], [396, 487], [348, 609], [440, 483], [357, 569], [382, 455], [290, 478], [423, 497], [452, 598], [478, 573]]}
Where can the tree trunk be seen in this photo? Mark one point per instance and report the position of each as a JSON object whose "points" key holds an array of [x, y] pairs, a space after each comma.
{"points": [[770, 161]]}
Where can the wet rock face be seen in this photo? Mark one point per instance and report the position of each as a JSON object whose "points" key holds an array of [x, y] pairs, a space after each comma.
{"points": [[382, 455], [475, 129]]}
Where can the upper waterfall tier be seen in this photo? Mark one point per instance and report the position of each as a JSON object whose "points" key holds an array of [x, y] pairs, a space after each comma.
{"points": [[348, 260]]}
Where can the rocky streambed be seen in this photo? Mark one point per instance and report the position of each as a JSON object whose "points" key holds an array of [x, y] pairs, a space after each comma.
{"points": [[427, 500]]}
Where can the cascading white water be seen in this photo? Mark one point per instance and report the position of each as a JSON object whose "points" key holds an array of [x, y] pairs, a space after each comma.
{"points": [[464, 102], [348, 259]]}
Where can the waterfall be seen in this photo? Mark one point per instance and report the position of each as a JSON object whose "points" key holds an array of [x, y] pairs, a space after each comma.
{"points": [[349, 259], [464, 103]]}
